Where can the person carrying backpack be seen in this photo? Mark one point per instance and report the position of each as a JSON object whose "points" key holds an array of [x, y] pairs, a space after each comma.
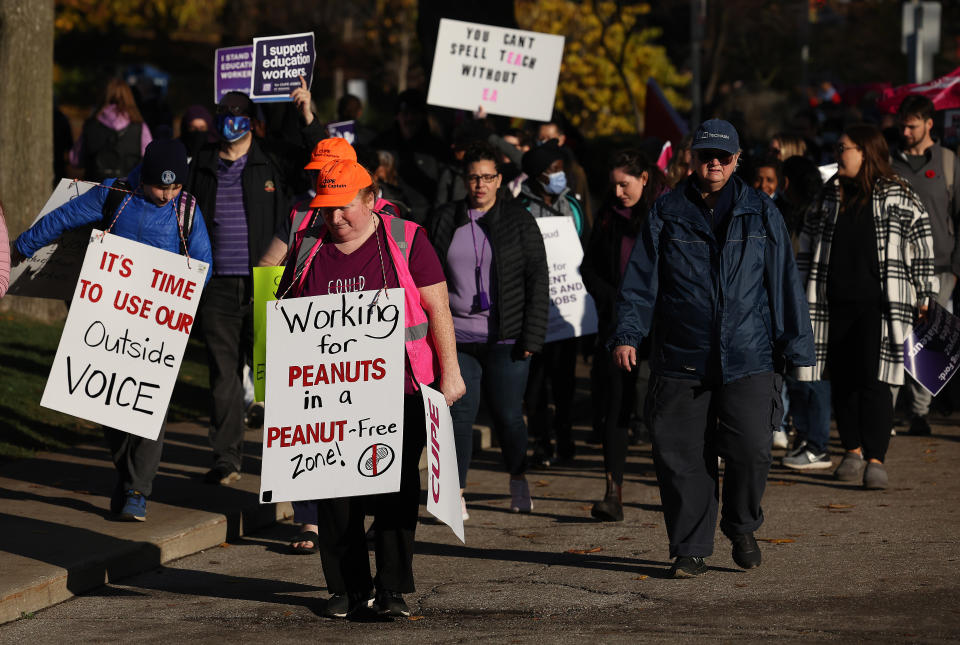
{"points": [[149, 207]]}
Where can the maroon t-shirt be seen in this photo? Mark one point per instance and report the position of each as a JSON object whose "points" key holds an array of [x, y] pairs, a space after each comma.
{"points": [[332, 271]]}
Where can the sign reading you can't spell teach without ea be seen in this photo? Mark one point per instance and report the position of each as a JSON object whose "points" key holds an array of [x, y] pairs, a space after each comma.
{"points": [[506, 71]]}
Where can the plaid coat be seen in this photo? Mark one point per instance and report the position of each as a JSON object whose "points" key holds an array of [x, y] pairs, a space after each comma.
{"points": [[905, 250]]}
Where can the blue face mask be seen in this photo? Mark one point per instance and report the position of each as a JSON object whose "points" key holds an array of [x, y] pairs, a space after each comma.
{"points": [[556, 184], [232, 127]]}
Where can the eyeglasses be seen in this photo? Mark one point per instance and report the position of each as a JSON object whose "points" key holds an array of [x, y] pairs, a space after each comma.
{"points": [[486, 179], [706, 156], [234, 110], [840, 149]]}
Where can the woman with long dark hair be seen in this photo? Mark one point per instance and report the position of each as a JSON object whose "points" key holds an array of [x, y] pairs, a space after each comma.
{"points": [[636, 184], [866, 252]]}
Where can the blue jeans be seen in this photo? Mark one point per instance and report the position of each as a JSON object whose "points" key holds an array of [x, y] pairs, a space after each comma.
{"points": [[810, 406], [492, 370]]}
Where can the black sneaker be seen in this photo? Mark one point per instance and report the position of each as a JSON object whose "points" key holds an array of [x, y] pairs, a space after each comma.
{"points": [[919, 427], [746, 551], [688, 566], [338, 606], [222, 474], [391, 603]]}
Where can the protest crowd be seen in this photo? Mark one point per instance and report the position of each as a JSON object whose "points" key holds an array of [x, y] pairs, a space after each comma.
{"points": [[743, 294]]}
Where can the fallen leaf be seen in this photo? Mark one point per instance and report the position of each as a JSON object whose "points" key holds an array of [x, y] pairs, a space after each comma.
{"points": [[835, 507], [928, 451], [780, 482], [414, 617], [883, 505], [648, 525], [585, 551], [528, 536], [214, 561], [224, 545], [624, 538], [828, 535], [740, 584], [541, 482], [586, 507], [794, 534], [777, 540], [288, 613], [641, 577]]}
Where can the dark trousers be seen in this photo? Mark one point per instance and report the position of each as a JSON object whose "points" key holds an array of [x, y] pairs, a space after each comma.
{"points": [[226, 321], [555, 369], [501, 377], [691, 423], [135, 458], [343, 547], [613, 394], [862, 404]]}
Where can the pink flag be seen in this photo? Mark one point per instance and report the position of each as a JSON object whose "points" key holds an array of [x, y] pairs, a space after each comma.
{"points": [[666, 154], [944, 92]]}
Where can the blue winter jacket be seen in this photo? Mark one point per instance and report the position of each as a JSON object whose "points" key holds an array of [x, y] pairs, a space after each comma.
{"points": [[140, 220], [715, 312]]}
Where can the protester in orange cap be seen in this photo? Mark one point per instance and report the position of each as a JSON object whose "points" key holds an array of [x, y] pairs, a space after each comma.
{"points": [[348, 243]]}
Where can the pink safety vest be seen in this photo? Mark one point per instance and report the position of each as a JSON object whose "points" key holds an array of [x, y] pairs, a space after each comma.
{"points": [[421, 351]]}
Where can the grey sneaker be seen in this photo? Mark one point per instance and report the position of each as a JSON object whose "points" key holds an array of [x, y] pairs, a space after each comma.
{"points": [[875, 477], [808, 458], [851, 468]]}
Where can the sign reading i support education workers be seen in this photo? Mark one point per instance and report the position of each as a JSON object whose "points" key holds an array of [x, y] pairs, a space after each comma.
{"points": [[572, 310], [232, 71], [506, 71], [128, 326], [278, 64], [333, 422], [931, 353]]}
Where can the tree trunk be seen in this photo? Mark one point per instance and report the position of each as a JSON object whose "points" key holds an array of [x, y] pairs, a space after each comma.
{"points": [[26, 125]]}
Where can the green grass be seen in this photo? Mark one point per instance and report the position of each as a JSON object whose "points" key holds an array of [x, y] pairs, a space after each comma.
{"points": [[27, 348]]}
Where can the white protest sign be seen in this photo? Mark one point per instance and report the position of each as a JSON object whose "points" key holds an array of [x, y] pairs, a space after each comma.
{"points": [[128, 326], [334, 396], [443, 478], [572, 310], [506, 71], [52, 271], [278, 64]]}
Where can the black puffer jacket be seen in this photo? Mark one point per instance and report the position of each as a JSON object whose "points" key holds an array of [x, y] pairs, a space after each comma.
{"points": [[520, 263]]}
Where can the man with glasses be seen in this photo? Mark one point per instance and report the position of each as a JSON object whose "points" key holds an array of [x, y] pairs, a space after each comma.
{"points": [[713, 282], [242, 186]]}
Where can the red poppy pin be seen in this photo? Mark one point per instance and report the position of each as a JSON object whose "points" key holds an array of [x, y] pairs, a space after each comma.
{"points": [[931, 174], [268, 186]]}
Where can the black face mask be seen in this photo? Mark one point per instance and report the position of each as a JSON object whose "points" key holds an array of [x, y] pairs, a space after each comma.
{"points": [[193, 141]]}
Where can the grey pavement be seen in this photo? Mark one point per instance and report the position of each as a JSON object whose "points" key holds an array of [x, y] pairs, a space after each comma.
{"points": [[840, 564]]}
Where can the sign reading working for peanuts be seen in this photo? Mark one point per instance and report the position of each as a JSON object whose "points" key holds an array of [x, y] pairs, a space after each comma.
{"points": [[333, 422], [278, 64], [232, 71], [443, 478], [506, 71], [132, 313], [572, 310], [52, 271]]}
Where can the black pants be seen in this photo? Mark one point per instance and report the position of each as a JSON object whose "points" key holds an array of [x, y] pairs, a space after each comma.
{"points": [[226, 320], [613, 394], [861, 403], [555, 367], [691, 423], [343, 549], [135, 458]]}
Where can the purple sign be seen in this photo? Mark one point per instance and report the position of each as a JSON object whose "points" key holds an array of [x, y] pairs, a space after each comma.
{"points": [[931, 353], [232, 71], [342, 130], [278, 64]]}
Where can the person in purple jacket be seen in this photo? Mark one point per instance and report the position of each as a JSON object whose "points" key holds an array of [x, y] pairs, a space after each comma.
{"points": [[147, 213]]}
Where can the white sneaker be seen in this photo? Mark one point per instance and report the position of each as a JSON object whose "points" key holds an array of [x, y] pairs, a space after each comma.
{"points": [[780, 440], [463, 508], [520, 501]]}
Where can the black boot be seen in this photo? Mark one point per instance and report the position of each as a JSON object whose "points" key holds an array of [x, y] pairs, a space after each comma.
{"points": [[610, 509]]}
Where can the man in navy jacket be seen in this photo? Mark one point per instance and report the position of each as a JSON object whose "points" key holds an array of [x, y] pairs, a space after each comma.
{"points": [[713, 282]]}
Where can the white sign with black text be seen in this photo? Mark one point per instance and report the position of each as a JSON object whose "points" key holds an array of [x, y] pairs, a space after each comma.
{"points": [[572, 310]]}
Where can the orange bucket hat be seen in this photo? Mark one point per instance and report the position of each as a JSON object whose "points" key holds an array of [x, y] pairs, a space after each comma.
{"points": [[339, 182], [329, 150]]}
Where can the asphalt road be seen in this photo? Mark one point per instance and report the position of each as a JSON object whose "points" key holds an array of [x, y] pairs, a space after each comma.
{"points": [[840, 564]]}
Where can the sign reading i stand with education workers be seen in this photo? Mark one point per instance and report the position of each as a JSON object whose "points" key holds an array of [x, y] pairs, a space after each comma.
{"points": [[333, 423], [131, 316], [278, 64], [511, 72], [572, 310], [931, 353], [232, 71]]}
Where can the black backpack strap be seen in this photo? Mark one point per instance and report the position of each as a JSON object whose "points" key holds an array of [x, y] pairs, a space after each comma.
{"points": [[113, 201], [186, 209]]}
